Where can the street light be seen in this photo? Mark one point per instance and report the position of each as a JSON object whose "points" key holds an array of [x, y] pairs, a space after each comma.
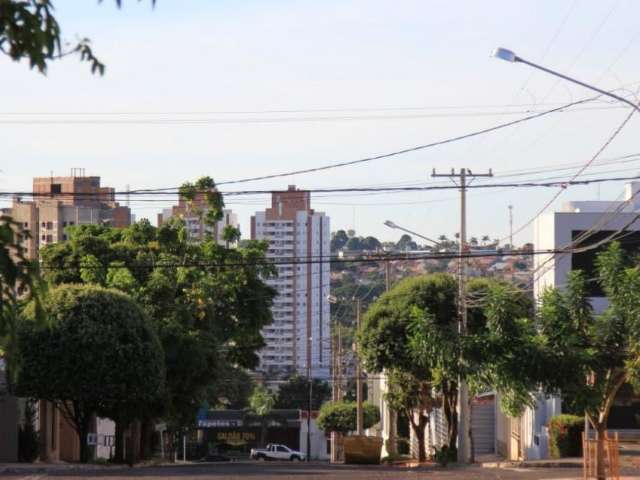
{"points": [[390, 224], [509, 56]]}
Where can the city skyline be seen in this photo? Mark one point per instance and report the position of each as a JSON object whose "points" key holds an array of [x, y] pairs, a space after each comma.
{"points": [[357, 80]]}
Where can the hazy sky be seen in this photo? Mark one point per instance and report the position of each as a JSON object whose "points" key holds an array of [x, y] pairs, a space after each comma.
{"points": [[362, 77]]}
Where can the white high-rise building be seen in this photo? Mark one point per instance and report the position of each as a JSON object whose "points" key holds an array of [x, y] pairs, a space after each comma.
{"points": [[299, 239]]}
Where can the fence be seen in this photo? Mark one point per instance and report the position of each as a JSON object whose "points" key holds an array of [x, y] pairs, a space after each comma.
{"points": [[611, 457]]}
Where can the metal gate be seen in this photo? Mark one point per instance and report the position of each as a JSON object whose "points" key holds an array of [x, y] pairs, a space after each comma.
{"points": [[483, 427]]}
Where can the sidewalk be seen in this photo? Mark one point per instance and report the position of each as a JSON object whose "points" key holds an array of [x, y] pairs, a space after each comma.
{"points": [[45, 468], [494, 461]]}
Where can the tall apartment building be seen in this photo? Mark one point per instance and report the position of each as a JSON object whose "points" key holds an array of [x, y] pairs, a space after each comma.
{"points": [[191, 214], [59, 202], [300, 335]]}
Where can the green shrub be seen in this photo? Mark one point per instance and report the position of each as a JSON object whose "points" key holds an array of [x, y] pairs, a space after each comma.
{"points": [[444, 455], [565, 436], [341, 416]]}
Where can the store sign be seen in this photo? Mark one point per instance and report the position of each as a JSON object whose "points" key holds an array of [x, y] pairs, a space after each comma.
{"points": [[212, 423], [235, 437]]}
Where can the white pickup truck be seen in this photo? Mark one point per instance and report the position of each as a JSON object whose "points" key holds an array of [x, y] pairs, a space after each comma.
{"points": [[274, 451]]}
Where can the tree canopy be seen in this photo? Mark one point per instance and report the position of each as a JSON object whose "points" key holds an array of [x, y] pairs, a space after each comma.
{"points": [[411, 333], [208, 302], [294, 393], [594, 354], [99, 355], [19, 282]]}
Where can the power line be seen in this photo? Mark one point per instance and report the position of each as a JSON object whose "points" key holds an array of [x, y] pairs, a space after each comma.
{"points": [[410, 149], [610, 139], [479, 186], [202, 120]]}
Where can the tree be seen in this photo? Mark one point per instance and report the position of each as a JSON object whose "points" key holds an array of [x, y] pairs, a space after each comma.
{"points": [[100, 355], [295, 393], [371, 243], [261, 403], [354, 244], [412, 332], [415, 399], [209, 303], [29, 30], [406, 243], [385, 345], [231, 389], [19, 282], [338, 240], [594, 355], [341, 416], [486, 239]]}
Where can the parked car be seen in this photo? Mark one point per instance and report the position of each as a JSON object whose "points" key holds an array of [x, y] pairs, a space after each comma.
{"points": [[274, 451]]}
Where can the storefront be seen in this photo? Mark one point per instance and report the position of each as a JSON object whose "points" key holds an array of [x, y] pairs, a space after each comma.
{"points": [[235, 432]]}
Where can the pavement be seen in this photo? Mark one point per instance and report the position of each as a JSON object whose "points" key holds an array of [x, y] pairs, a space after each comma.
{"points": [[290, 471]]}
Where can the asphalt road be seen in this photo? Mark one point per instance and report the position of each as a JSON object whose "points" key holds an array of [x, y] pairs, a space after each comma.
{"points": [[300, 471]]}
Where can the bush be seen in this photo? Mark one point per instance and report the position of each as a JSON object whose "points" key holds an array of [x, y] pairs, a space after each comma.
{"points": [[341, 416], [444, 455], [565, 436]]}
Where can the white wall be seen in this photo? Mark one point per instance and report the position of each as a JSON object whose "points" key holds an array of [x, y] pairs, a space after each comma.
{"points": [[319, 441]]}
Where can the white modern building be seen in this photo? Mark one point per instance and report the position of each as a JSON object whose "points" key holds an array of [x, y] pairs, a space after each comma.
{"points": [[577, 224], [299, 337], [580, 224]]}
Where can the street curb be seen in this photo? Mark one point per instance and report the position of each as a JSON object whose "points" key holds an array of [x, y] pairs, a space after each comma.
{"points": [[48, 469], [535, 464]]}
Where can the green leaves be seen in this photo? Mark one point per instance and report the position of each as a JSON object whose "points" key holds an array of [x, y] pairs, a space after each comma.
{"points": [[206, 314], [99, 353], [261, 401], [294, 393], [341, 416], [29, 30], [593, 354]]}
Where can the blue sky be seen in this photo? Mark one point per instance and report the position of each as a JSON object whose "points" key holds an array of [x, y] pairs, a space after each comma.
{"points": [[185, 57]]}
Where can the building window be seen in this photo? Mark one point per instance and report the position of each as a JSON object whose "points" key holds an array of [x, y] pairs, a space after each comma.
{"points": [[56, 188], [26, 224], [64, 224]]}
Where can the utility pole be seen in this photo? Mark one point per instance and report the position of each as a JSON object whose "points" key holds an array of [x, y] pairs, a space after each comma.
{"points": [[359, 413], [465, 454], [310, 403], [387, 275], [335, 393], [392, 423], [511, 226]]}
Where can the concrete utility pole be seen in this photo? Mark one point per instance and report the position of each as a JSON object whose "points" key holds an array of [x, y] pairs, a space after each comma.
{"points": [[335, 392], [310, 405], [387, 276], [359, 412], [465, 454], [511, 226], [392, 414]]}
